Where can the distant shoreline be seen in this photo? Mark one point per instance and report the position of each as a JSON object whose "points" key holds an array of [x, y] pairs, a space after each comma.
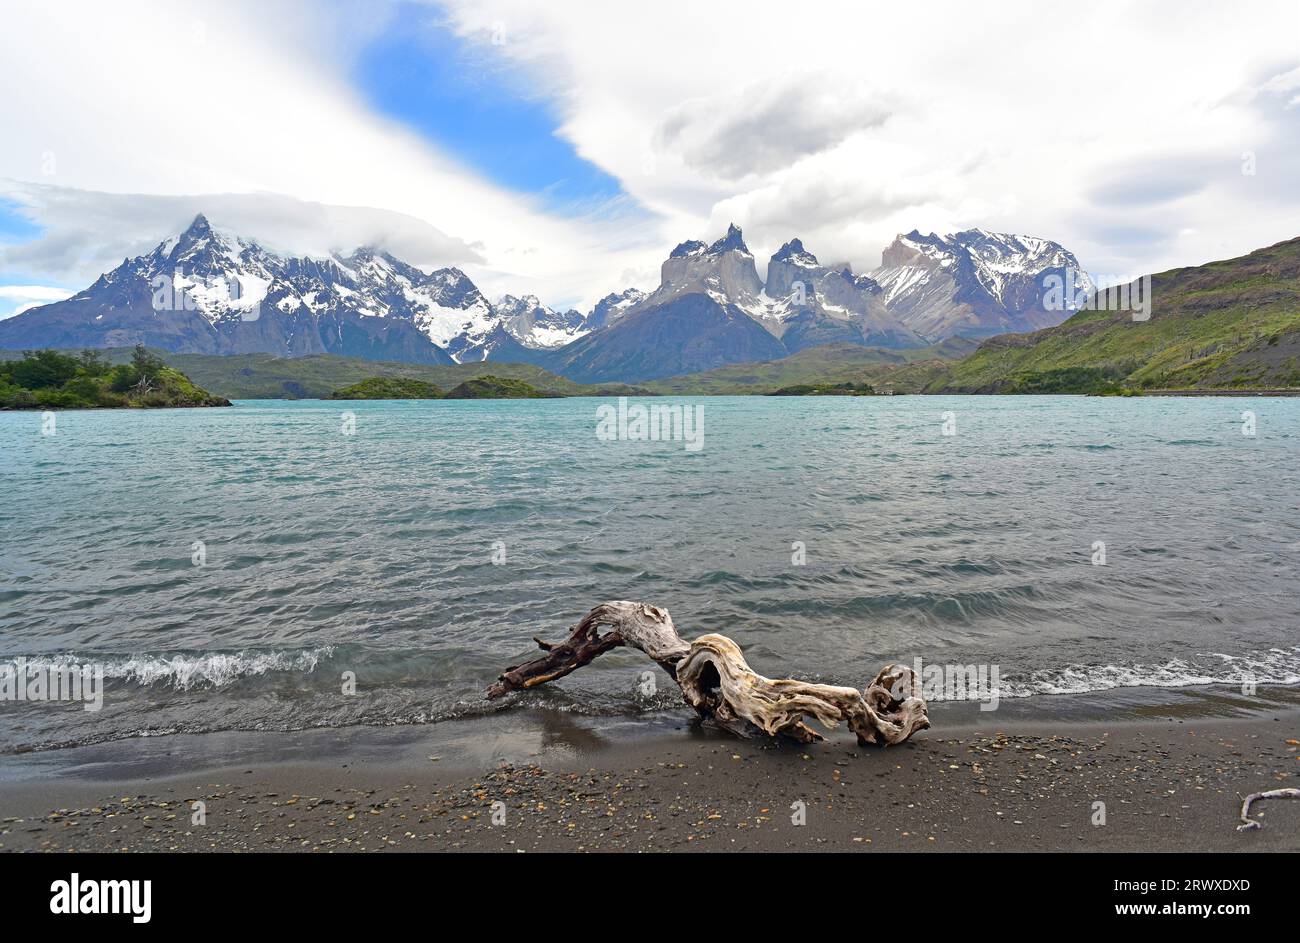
{"points": [[1265, 392], [128, 407]]}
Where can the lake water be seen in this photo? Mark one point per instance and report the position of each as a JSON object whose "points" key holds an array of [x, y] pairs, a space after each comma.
{"points": [[373, 552]]}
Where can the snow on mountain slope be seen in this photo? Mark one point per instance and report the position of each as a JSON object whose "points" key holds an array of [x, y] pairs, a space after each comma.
{"points": [[227, 281], [534, 325], [972, 283], [613, 306], [818, 304]]}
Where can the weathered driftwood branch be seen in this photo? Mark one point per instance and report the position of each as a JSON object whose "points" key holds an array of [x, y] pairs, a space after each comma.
{"points": [[1249, 823], [642, 626], [720, 685]]}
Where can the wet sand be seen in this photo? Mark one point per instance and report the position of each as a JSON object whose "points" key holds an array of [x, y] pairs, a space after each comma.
{"points": [[513, 785]]}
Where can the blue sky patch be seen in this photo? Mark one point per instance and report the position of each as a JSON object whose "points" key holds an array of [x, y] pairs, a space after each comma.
{"points": [[14, 226], [479, 109]]}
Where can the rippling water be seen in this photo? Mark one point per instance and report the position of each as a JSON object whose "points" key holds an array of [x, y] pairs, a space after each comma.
{"points": [[372, 553]]}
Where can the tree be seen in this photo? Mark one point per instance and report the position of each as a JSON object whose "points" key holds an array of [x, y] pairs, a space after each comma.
{"points": [[43, 369], [93, 363], [146, 363]]}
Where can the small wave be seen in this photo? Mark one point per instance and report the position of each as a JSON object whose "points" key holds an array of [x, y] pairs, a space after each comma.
{"points": [[188, 671], [1274, 666]]}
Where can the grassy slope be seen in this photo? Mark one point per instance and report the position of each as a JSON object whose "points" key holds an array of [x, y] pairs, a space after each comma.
{"points": [[901, 370], [265, 376], [1230, 324]]}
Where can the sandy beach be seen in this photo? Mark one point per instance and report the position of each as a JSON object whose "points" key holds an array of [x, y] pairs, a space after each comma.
{"points": [[519, 783]]}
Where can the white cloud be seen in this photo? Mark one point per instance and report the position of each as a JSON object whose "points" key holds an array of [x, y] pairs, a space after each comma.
{"points": [[768, 126], [239, 98], [15, 299], [1116, 129], [1007, 116], [74, 223]]}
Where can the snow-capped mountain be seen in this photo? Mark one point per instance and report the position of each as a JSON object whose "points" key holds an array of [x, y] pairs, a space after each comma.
{"points": [[803, 303], [973, 283], [613, 306], [817, 304], [708, 311], [712, 309], [205, 291], [535, 325], [208, 292], [710, 300]]}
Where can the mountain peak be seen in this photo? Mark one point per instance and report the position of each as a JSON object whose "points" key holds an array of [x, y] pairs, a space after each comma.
{"points": [[732, 240], [519, 303], [200, 226], [793, 251], [689, 247]]}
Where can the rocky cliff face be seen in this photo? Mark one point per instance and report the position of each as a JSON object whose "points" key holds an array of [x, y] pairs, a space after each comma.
{"points": [[813, 304]]}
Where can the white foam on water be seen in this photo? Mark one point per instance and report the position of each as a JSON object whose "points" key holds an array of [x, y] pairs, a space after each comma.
{"points": [[1271, 666], [185, 672]]}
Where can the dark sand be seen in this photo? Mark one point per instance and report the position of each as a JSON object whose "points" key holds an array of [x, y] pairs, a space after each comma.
{"points": [[567, 785]]}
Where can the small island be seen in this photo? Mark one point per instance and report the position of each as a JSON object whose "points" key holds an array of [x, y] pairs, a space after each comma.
{"points": [[825, 389], [389, 388], [490, 387], [47, 379], [484, 387]]}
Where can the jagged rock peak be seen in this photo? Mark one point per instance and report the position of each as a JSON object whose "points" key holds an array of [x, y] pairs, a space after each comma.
{"points": [[793, 251], [732, 240], [689, 247]]}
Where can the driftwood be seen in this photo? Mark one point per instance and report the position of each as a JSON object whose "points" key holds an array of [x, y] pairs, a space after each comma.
{"points": [[720, 685], [1249, 823]]}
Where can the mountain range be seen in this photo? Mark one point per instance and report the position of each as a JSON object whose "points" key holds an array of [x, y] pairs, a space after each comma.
{"points": [[208, 292], [1225, 326]]}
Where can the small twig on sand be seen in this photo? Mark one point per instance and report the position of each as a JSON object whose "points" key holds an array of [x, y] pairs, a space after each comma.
{"points": [[1248, 822]]}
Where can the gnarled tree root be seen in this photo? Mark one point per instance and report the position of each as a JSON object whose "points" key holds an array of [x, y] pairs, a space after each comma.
{"points": [[720, 685]]}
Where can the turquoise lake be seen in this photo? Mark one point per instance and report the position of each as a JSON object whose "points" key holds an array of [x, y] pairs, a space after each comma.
{"points": [[227, 567]]}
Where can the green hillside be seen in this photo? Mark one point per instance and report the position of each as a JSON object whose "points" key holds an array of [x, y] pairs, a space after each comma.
{"points": [[1233, 324], [882, 368]]}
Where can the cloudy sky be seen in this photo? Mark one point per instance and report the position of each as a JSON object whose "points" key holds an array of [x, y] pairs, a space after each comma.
{"points": [[563, 148]]}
